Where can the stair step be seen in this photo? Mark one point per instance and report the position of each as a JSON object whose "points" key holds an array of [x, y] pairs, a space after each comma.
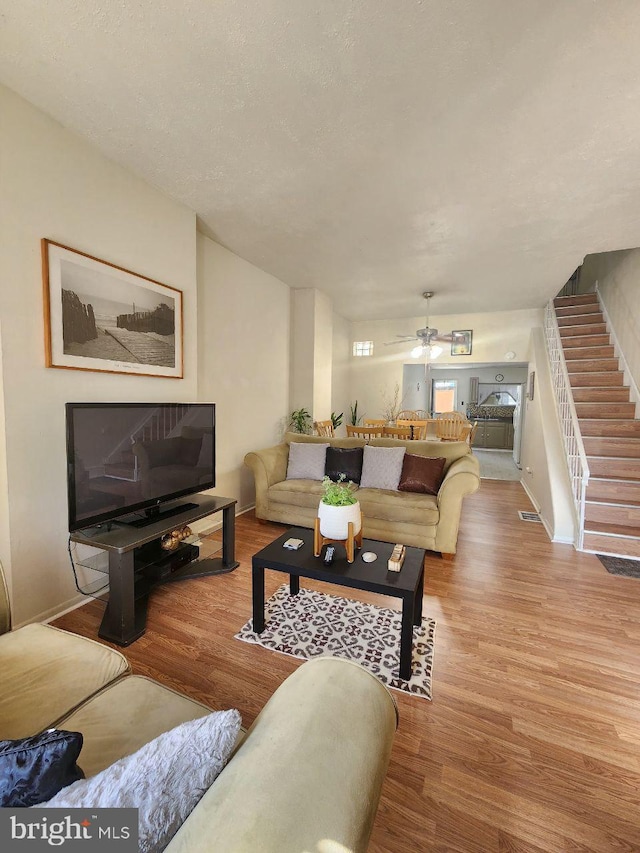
{"points": [[610, 427], [571, 341], [614, 466], [613, 378], [608, 542], [627, 447], [589, 394], [577, 299], [578, 310], [613, 490], [591, 365], [573, 353], [623, 515], [578, 320], [568, 331], [616, 411]]}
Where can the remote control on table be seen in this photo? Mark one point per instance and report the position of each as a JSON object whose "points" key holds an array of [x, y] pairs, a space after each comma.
{"points": [[328, 555]]}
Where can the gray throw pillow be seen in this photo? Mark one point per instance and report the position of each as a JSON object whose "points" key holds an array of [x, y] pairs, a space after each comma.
{"points": [[164, 779], [381, 467], [306, 461]]}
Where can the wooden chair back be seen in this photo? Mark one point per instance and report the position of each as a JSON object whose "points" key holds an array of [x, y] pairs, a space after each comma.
{"points": [[364, 432], [422, 414], [406, 415], [472, 432], [419, 430], [450, 428], [403, 432], [457, 415], [375, 422], [324, 428]]}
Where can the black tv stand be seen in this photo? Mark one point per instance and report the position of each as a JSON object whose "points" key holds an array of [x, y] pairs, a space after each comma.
{"points": [[137, 563], [154, 514]]}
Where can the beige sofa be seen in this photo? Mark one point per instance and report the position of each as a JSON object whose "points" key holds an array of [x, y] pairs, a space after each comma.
{"points": [[310, 768], [425, 521]]}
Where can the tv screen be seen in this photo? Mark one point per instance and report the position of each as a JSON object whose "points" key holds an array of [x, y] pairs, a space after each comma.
{"points": [[125, 458]]}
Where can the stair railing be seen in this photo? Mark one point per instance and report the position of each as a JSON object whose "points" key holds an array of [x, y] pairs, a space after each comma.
{"points": [[576, 457]]}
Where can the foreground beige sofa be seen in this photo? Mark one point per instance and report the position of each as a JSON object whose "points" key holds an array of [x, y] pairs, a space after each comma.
{"points": [[310, 768], [425, 521]]}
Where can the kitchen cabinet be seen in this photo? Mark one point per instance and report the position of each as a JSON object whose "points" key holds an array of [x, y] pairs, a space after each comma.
{"points": [[494, 434]]}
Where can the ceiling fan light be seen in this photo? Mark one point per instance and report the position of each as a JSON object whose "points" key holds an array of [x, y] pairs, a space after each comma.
{"points": [[435, 350], [416, 352]]}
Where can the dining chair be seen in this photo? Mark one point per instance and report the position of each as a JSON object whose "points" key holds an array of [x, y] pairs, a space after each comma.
{"points": [[450, 428], [365, 432], [403, 432], [324, 428], [457, 415], [418, 428], [472, 433], [406, 415], [422, 414], [374, 422]]}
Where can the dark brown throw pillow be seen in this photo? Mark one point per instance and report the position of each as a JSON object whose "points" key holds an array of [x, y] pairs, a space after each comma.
{"points": [[421, 474], [344, 460]]}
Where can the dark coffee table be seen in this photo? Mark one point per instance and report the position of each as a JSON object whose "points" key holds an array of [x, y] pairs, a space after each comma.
{"points": [[406, 584]]}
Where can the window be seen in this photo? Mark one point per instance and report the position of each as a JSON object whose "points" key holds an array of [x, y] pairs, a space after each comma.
{"points": [[444, 395], [363, 348]]}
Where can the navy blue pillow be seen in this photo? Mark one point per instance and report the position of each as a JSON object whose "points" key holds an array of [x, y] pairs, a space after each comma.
{"points": [[344, 460], [34, 769]]}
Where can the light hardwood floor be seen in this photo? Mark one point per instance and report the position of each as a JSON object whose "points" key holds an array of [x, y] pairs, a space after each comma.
{"points": [[532, 740]]}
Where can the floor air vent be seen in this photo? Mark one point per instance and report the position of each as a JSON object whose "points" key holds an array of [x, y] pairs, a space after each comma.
{"points": [[526, 515]]}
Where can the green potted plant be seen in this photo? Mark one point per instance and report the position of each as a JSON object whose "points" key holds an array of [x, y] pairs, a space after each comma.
{"points": [[338, 506], [300, 421], [355, 417], [336, 420]]}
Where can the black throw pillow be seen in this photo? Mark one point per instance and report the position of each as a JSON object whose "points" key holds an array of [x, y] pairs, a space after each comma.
{"points": [[344, 460], [34, 769]]}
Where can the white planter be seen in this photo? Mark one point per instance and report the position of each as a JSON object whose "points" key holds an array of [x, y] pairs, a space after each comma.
{"points": [[334, 520]]}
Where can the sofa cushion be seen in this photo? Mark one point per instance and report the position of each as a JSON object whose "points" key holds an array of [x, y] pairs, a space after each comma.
{"points": [[298, 493], [33, 769], [146, 709], [343, 460], [403, 507], [164, 779], [306, 461], [421, 474], [46, 672], [381, 467]]}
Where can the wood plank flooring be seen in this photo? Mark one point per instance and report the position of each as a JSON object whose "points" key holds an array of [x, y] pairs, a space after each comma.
{"points": [[532, 740]]}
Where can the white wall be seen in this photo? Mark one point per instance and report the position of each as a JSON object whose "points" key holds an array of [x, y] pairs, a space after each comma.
{"points": [[618, 278], [340, 378], [56, 185], [544, 469], [244, 322], [494, 335]]}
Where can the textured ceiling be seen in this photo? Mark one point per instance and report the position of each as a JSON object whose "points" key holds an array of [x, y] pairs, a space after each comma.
{"points": [[372, 149]]}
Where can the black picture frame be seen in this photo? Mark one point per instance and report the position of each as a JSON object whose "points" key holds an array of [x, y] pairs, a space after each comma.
{"points": [[462, 342]]}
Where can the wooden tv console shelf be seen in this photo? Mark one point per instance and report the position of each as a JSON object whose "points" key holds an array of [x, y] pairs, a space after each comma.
{"points": [[137, 563]]}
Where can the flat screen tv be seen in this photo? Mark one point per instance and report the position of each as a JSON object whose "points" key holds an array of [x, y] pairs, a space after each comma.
{"points": [[124, 460]]}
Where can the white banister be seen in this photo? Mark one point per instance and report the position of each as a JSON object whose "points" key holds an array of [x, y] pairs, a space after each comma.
{"points": [[574, 447]]}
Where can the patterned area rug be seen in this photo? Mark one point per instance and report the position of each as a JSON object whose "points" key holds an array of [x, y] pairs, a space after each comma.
{"points": [[620, 566], [311, 624]]}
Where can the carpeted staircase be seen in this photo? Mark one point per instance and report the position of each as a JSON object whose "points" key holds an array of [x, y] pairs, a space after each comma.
{"points": [[610, 431]]}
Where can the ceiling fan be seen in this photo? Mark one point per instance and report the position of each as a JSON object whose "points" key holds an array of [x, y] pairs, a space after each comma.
{"points": [[427, 337]]}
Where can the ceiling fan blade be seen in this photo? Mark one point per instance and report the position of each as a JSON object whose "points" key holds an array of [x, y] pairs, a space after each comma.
{"points": [[403, 341]]}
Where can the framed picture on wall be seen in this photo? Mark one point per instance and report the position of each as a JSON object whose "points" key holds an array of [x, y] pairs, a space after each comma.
{"points": [[99, 316], [461, 343]]}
